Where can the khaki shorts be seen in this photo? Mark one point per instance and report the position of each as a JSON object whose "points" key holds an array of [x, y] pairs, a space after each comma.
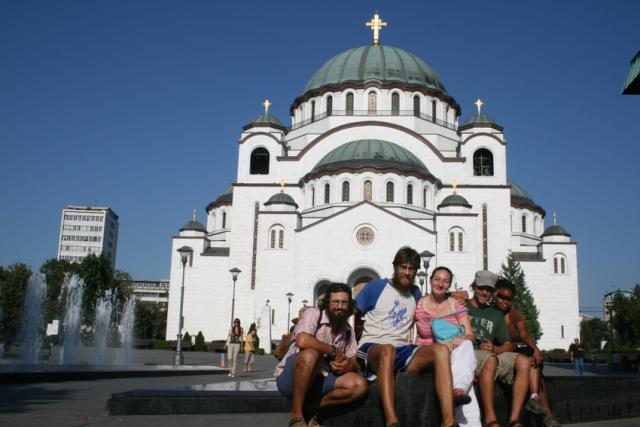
{"points": [[506, 361]]}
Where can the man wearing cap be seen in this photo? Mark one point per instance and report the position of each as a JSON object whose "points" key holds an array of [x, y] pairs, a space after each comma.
{"points": [[494, 356]]}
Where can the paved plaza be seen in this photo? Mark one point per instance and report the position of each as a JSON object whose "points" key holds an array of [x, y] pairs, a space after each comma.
{"points": [[80, 403]]}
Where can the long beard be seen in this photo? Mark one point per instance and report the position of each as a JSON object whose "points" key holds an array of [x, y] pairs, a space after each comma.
{"points": [[337, 320]]}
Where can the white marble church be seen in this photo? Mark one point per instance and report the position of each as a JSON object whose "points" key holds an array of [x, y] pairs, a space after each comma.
{"points": [[377, 157]]}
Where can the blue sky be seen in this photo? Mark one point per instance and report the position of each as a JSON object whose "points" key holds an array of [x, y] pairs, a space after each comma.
{"points": [[138, 105]]}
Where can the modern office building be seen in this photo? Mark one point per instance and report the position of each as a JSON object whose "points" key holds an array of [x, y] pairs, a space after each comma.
{"points": [[151, 291], [88, 230]]}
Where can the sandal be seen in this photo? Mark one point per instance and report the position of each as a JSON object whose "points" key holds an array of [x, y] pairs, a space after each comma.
{"points": [[515, 423], [461, 399], [297, 422], [492, 423]]}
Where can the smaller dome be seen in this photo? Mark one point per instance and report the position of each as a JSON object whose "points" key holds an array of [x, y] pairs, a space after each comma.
{"points": [[193, 225], [480, 119], [281, 199], [226, 198], [265, 119], [454, 200], [555, 230], [521, 199]]}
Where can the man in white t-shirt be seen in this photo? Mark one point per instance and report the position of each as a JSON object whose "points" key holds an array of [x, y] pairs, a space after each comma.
{"points": [[388, 307]]}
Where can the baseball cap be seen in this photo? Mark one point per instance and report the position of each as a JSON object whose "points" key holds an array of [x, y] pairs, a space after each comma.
{"points": [[485, 278]]}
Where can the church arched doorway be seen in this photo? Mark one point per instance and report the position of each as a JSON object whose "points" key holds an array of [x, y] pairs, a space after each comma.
{"points": [[357, 279]]}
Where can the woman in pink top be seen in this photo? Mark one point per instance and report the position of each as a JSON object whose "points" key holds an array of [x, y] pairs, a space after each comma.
{"points": [[439, 304]]}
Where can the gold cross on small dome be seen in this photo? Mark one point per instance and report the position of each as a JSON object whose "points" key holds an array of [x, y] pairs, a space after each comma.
{"points": [[479, 104], [194, 214], [376, 25], [282, 185], [266, 105], [454, 184]]}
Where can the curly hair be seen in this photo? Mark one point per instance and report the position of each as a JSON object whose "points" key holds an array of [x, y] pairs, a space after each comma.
{"points": [[334, 288]]}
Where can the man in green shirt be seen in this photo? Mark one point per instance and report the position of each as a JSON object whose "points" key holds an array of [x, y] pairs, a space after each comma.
{"points": [[494, 356]]}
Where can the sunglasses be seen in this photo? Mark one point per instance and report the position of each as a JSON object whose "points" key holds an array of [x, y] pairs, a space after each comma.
{"points": [[503, 298]]}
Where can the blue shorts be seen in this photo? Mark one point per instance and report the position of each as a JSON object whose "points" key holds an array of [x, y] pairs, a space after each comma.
{"points": [[404, 355], [320, 386]]}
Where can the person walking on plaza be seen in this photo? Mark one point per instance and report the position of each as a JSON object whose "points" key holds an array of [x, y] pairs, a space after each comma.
{"points": [[494, 355], [525, 344], [250, 348], [457, 334], [576, 352], [321, 358], [234, 341], [388, 307]]}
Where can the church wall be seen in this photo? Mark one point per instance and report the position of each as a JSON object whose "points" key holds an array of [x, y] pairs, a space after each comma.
{"points": [[463, 264], [556, 296], [244, 156], [499, 160]]}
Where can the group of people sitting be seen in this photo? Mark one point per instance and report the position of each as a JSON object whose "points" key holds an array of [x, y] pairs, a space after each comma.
{"points": [[459, 339]]}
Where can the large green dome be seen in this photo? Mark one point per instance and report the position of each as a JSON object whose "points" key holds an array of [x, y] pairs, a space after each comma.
{"points": [[371, 154], [383, 63]]}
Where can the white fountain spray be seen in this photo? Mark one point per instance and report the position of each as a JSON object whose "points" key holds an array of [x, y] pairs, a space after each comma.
{"points": [[32, 330], [73, 289], [104, 308], [127, 321]]}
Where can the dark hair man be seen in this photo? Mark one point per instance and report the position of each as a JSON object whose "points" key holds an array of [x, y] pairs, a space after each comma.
{"points": [[389, 306], [321, 359], [494, 355]]}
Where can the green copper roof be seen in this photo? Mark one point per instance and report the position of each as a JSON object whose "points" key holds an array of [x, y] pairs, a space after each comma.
{"points": [[282, 199], [521, 199], [632, 83], [370, 152], [265, 119], [481, 119], [194, 226], [556, 230], [454, 200], [226, 198], [383, 63], [517, 191]]}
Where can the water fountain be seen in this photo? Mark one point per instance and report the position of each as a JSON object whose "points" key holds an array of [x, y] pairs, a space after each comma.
{"points": [[104, 310], [32, 318], [72, 290], [127, 320]]}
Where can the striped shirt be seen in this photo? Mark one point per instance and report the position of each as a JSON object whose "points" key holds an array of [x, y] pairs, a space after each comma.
{"points": [[307, 324]]}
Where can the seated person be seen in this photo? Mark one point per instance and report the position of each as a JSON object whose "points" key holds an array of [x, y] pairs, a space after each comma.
{"points": [[388, 306], [439, 304], [321, 359], [494, 355], [524, 344]]}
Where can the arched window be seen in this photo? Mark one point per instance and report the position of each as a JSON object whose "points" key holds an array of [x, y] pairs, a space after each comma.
{"points": [[281, 239], [224, 220], [524, 223], [395, 103], [372, 102], [313, 196], [562, 266], [456, 240], [367, 191], [390, 191], [329, 105], [313, 111], [410, 194], [345, 191], [327, 193], [483, 162], [425, 197], [434, 105], [272, 245], [460, 242], [276, 237], [259, 163], [349, 105], [416, 106], [452, 241]]}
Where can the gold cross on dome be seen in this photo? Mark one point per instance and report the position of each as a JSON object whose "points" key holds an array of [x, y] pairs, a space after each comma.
{"points": [[454, 184], [479, 104], [376, 25], [194, 214], [282, 185], [266, 105]]}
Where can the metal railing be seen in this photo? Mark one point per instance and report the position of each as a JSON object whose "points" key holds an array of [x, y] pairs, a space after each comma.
{"points": [[377, 113]]}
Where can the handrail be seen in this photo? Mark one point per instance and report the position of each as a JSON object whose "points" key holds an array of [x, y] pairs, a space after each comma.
{"points": [[364, 113]]}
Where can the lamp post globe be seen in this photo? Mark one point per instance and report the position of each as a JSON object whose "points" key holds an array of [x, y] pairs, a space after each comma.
{"points": [[234, 275], [426, 257], [421, 277], [185, 253], [289, 298]]}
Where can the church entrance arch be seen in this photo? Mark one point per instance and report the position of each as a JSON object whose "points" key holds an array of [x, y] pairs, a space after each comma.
{"points": [[318, 292], [358, 278]]}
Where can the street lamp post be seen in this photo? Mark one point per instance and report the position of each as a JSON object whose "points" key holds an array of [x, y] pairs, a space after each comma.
{"points": [[421, 276], [268, 349], [185, 252], [426, 259], [289, 297], [304, 302], [234, 275]]}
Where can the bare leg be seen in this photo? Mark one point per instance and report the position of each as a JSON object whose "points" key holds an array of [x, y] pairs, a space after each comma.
{"points": [[348, 388], [438, 356], [487, 386], [520, 386], [534, 379], [544, 399], [304, 370], [381, 358]]}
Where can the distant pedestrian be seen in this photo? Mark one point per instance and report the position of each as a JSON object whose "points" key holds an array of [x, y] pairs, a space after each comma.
{"points": [[234, 341], [576, 352], [250, 348]]}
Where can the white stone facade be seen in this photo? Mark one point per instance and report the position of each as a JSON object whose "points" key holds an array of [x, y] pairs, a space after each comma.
{"points": [[297, 246]]}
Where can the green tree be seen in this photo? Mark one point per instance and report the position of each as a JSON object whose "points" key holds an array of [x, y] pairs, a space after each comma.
{"points": [[55, 271], [626, 317], [523, 300], [151, 320], [13, 283], [593, 332]]}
